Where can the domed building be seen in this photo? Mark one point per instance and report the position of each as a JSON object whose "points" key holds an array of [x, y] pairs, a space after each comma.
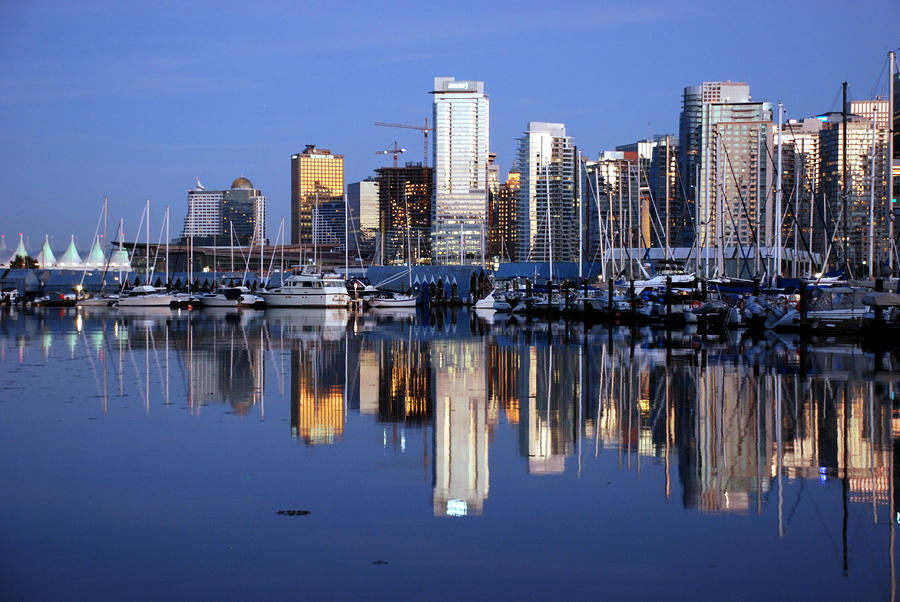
{"points": [[218, 217]]}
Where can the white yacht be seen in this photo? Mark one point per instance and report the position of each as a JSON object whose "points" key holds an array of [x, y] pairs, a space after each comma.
{"points": [[232, 296], [309, 290], [391, 301], [146, 296]]}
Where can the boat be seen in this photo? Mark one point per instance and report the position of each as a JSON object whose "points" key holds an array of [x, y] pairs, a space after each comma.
{"points": [[145, 295], [491, 302], [98, 301], [232, 296], [309, 290], [392, 301]]}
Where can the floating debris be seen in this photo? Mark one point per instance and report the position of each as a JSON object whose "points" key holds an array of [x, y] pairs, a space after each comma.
{"points": [[292, 512], [379, 562]]}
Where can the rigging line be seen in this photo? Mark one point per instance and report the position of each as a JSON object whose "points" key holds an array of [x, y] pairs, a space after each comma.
{"points": [[884, 68], [789, 207], [743, 206]]}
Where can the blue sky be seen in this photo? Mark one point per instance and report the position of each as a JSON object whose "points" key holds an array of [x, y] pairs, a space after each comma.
{"points": [[135, 101]]}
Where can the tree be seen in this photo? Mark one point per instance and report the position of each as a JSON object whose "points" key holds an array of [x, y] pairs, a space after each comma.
{"points": [[26, 262]]}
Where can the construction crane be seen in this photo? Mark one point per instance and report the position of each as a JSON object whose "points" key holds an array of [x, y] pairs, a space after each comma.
{"points": [[409, 126], [392, 151]]}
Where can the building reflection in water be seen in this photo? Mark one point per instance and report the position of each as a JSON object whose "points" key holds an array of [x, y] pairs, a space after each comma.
{"points": [[728, 424], [461, 468]]}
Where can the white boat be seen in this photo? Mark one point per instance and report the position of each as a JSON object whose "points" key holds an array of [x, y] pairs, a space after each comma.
{"points": [[232, 296], [309, 290], [491, 302], [99, 301], [393, 301], [146, 296]]}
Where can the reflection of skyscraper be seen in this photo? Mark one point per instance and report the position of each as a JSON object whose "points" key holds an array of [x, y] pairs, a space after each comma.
{"points": [[317, 392], [404, 382], [546, 430], [461, 471]]}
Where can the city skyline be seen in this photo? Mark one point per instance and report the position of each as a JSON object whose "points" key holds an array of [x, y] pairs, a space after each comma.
{"points": [[95, 111]]}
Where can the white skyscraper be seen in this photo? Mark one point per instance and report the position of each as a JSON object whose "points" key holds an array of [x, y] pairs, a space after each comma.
{"points": [[547, 164], [459, 226]]}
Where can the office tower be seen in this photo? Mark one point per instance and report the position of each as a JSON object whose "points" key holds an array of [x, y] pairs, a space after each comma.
{"points": [[667, 204], [856, 194], [216, 217], [460, 205], [504, 212], [725, 168], [612, 201], [317, 177], [404, 209], [204, 214], [800, 177], [362, 200], [244, 212], [692, 137], [546, 158]]}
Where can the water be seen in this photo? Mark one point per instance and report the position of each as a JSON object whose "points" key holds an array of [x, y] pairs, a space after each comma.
{"points": [[312, 454]]}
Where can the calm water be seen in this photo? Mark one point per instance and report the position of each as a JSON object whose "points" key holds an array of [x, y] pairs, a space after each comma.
{"points": [[176, 455]]}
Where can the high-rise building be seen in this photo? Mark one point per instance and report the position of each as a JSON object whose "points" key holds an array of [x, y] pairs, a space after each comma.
{"points": [[546, 161], [724, 166], [317, 177], [218, 217], [800, 178], [362, 199], [855, 195], [504, 212], [404, 208], [670, 208], [692, 138], [460, 205], [614, 219]]}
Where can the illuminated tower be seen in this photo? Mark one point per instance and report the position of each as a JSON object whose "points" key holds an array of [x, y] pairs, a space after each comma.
{"points": [[317, 178], [459, 211]]}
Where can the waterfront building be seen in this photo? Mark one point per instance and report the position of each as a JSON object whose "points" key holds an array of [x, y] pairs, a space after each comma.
{"points": [[405, 212], [667, 203], [725, 166], [800, 177], [614, 220], [862, 186], [460, 197], [504, 218], [217, 217], [317, 177], [547, 160], [362, 199]]}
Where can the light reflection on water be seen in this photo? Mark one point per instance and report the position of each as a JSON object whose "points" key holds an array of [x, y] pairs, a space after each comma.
{"points": [[589, 423]]}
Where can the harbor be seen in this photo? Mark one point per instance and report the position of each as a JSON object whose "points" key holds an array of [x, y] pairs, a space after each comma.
{"points": [[601, 446]]}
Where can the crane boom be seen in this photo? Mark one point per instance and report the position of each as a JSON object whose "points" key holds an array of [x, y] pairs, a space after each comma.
{"points": [[424, 129]]}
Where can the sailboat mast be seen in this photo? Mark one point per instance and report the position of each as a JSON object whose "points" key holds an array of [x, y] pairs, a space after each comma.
{"points": [[892, 59], [844, 201], [346, 237], [580, 215], [549, 233], [778, 195], [167, 248], [872, 199], [668, 215], [148, 241]]}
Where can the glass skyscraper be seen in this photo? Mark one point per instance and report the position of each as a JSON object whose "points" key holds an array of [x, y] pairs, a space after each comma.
{"points": [[459, 225]]}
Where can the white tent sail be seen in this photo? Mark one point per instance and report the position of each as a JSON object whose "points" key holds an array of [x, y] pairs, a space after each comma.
{"points": [[46, 258], [95, 260], [20, 250], [120, 260], [70, 259]]}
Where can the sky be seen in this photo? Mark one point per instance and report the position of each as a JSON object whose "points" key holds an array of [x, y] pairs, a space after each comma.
{"points": [[135, 101]]}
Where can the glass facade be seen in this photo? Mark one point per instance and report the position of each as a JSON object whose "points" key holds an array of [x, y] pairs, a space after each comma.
{"points": [[317, 177], [215, 215], [547, 162], [460, 205]]}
